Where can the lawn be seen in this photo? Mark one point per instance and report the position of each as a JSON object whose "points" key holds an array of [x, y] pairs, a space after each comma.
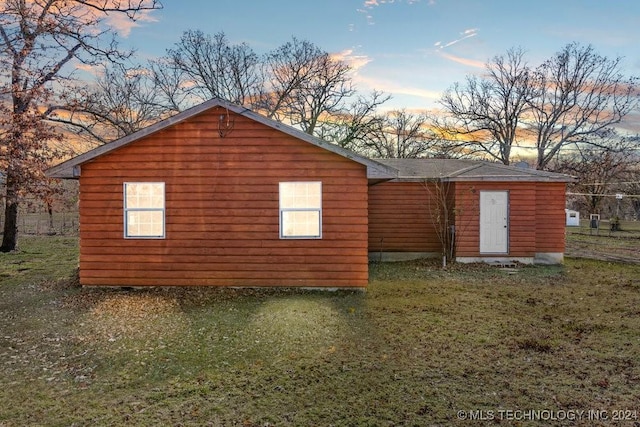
{"points": [[622, 245], [418, 347]]}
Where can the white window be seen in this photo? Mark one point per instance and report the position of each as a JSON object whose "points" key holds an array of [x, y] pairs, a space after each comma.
{"points": [[300, 210], [144, 210]]}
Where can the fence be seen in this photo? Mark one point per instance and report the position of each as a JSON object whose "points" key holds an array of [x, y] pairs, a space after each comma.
{"points": [[42, 223]]}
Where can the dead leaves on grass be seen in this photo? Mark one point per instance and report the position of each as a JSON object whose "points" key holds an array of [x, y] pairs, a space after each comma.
{"points": [[133, 315]]}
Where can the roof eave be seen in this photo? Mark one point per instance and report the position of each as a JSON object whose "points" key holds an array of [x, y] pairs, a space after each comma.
{"points": [[63, 171], [505, 178], [515, 178], [70, 168]]}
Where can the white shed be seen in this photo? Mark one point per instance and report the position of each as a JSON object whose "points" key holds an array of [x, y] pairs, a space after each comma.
{"points": [[573, 218]]}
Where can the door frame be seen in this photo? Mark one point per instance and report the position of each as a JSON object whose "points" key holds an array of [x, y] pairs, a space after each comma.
{"points": [[505, 225]]}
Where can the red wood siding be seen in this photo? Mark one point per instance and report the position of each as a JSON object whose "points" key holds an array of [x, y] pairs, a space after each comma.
{"points": [[222, 210], [550, 217], [400, 219], [536, 217], [467, 219]]}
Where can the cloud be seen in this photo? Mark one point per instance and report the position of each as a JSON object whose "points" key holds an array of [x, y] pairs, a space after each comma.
{"points": [[392, 87], [123, 25], [92, 70], [440, 47], [630, 124], [369, 5], [464, 61], [417, 92], [356, 62], [88, 68], [368, 16], [466, 34]]}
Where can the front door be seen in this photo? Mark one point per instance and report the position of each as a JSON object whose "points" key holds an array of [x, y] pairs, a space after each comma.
{"points": [[494, 224]]}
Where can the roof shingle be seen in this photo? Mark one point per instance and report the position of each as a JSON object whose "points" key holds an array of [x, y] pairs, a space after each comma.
{"points": [[466, 170]]}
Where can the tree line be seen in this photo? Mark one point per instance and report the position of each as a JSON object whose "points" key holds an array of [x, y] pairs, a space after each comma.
{"points": [[566, 108], [297, 83]]}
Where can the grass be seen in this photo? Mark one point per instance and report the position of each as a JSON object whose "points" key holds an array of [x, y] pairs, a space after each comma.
{"points": [[623, 245], [420, 345]]}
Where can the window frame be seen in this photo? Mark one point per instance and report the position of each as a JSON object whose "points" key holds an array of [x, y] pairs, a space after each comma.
{"points": [[126, 210], [283, 211]]}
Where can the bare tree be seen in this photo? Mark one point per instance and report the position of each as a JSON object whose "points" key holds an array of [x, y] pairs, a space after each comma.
{"points": [[286, 69], [120, 102], [442, 214], [304, 85], [486, 110], [38, 41], [600, 166], [400, 134], [210, 67], [451, 215], [632, 187], [323, 91], [442, 147], [297, 83], [168, 82], [575, 96], [581, 94], [349, 128]]}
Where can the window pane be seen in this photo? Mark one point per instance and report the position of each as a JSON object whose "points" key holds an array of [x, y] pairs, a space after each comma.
{"points": [[145, 223], [300, 195], [301, 209], [144, 209], [144, 195], [301, 224]]}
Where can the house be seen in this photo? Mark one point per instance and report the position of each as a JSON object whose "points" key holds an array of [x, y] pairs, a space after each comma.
{"points": [[219, 195], [498, 213]]}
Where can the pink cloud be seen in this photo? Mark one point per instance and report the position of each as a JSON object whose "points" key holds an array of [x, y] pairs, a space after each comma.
{"points": [[463, 61], [392, 87], [354, 61], [94, 70], [123, 25]]}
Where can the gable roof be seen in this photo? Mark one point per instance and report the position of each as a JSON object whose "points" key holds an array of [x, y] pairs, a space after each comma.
{"points": [[467, 170], [71, 168]]}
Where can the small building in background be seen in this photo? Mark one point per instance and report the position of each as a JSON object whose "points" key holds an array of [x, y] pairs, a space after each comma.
{"points": [[573, 218]]}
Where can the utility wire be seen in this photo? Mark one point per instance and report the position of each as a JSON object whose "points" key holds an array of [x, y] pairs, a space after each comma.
{"points": [[610, 183], [632, 196]]}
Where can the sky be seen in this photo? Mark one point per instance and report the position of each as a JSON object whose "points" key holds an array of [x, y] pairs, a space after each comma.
{"points": [[411, 49]]}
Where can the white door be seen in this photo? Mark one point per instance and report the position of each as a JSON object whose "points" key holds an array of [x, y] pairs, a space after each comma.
{"points": [[494, 224]]}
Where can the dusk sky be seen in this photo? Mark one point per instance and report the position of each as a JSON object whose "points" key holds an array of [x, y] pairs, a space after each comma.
{"points": [[411, 49]]}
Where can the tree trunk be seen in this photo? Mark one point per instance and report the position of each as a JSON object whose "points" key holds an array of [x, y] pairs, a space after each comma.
{"points": [[10, 236], [50, 212]]}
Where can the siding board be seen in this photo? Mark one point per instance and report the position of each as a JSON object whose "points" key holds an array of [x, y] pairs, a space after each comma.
{"points": [[399, 218], [222, 211]]}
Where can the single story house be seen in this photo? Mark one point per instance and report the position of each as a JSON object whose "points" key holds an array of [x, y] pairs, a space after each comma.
{"points": [[220, 195], [497, 213]]}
